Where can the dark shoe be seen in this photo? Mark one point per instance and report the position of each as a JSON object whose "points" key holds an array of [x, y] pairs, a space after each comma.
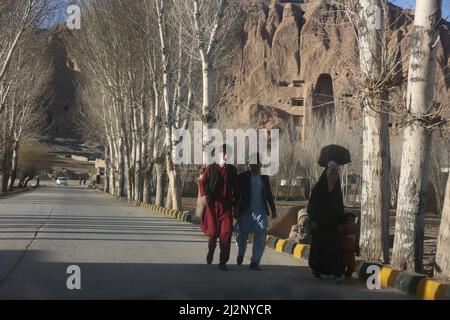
{"points": [[210, 257], [254, 267], [338, 280], [317, 276], [240, 260], [223, 267]]}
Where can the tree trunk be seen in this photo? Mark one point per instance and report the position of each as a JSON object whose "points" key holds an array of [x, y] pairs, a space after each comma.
{"points": [[121, 170], [174, 190], [137, 154], [112, 179], [27, 180], [5, 169], [442, 262], [207, 121], [375, 197], [409, 229], [199, 207], [376, 152], [106, 174], [159, 172], [147, 192], [168, 201], [14, 163], [169, 107]]}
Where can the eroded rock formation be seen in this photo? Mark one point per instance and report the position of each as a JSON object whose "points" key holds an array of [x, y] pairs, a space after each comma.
{"points": [[298, 56]]}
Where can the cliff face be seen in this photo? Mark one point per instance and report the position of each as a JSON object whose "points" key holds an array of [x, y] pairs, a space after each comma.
{"points": [[62, 85], [297, 56], [294, 61]]}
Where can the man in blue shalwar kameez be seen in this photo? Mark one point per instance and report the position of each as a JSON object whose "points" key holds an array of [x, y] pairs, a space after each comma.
{"points": [[256, 198]]}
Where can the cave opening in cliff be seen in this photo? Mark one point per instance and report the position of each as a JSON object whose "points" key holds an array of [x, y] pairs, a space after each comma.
{"points": [[298, 102], [323, 98], [298, 83]]}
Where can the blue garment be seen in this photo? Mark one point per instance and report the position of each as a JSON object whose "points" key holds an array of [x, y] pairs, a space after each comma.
{"points": [[255, 221]]}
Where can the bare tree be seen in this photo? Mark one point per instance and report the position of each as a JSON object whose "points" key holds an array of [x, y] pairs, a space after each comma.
{"points": [[135, 69], [375, 199], [440, 159], [26, 102], [377, 79], [18, 104], [207, 24], [442, 260], [409, 230]]}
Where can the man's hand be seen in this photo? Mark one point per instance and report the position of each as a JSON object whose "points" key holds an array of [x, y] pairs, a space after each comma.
{"points": [[204, 201]]}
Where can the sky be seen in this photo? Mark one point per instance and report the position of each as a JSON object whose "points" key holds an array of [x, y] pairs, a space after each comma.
{"points": [[401, 3], [412, 3]]}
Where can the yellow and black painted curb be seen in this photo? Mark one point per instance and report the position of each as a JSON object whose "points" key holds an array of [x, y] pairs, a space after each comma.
{"points": [[414, 284], [295, 249], [409, 283], [178, 215]]}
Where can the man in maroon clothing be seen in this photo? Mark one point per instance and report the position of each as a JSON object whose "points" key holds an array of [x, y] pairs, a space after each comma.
{"points": [[220, 195]]}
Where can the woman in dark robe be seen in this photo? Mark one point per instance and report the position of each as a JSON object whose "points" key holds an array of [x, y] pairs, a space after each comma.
{"points": [[327, 215]]}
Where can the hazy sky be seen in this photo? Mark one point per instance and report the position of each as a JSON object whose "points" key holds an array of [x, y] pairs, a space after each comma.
{"points": [[412, 3], [401, 3]]}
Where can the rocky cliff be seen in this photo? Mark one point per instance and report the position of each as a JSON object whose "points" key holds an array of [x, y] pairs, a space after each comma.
{"points": [[294, 61], [297, 56], [62, 84]]}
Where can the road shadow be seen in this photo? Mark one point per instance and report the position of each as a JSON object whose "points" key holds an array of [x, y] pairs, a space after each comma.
{"points": [[36, 278]]}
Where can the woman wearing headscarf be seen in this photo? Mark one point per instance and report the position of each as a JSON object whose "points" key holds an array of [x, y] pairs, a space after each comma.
{"points": [[327, 215]]}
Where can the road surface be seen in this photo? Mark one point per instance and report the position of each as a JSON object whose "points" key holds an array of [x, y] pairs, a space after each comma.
{"points": [[127, 253]]}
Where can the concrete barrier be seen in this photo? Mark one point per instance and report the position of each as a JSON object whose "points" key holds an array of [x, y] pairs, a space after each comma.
{"points": [[306, 252], [408, 282], [185, 217], [271, 242], [388, 276], [363, 267], [289, 247], [428, 289], [280, 245], [446, 295], [300, 250]]}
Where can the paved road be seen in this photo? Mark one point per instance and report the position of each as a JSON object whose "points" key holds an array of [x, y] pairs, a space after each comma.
{"points": [[127, 253]]}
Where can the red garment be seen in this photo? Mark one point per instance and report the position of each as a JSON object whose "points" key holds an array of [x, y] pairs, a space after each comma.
{"points": [[217, 219], [222, 193], [350, 247], [217, 223]]}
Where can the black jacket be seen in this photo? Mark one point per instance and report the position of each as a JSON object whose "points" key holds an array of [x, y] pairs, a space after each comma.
{"points": [[214, 180], [245, 189]]}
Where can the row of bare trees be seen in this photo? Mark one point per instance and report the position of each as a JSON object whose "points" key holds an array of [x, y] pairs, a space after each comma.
{"points": [[421, 115], [24, 76], [144, 78]]}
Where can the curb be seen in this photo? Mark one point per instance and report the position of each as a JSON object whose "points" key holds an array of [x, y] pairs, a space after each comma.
{"points": [[414, 284], [297, 250], [177, 215]]}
